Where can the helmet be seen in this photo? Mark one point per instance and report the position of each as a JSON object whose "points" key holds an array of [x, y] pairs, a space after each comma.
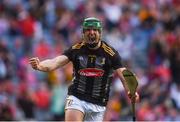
{"points": [[92, 22]]}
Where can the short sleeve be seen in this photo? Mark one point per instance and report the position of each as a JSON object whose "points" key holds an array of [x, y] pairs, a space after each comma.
{"points": [[116, 61], [69, 53]]}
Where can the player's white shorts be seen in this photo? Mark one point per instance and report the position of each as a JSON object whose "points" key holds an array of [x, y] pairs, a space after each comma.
{"points": [[92, 112]]}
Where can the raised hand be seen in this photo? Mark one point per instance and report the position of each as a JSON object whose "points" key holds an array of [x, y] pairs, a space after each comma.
{"points": [[34, 62]]}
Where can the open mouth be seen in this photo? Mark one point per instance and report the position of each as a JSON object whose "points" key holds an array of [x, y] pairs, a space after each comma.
{"points": [[91, 39]]}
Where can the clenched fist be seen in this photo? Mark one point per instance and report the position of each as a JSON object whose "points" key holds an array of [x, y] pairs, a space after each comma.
{"points": [[34, 63], [134, 98]]}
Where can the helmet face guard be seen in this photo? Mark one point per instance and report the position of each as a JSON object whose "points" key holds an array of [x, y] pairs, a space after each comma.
{"points": [[92, 23]]}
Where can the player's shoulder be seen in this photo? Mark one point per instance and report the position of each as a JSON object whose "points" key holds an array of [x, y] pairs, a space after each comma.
{"points": [[78, 45], [108, 48]]}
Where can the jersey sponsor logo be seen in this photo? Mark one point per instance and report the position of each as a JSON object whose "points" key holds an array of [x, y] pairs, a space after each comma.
{"points": [[91, 72]]}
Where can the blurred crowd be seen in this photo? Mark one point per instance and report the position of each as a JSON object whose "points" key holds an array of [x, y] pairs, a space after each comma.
{"points": [[146, 33]]}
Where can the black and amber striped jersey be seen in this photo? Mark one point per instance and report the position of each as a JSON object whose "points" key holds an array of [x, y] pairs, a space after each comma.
{"points": [[92, 71]]}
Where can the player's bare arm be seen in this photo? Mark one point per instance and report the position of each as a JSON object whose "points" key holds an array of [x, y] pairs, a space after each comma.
{"points": [[48, 64], [121, 77]]}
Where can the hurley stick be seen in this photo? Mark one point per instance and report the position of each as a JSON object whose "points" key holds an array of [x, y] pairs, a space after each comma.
{"points": [[132, 85]]}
